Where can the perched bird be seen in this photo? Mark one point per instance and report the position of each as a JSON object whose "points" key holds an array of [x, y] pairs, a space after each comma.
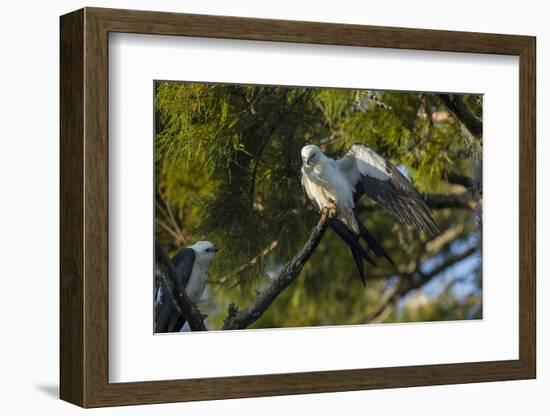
{"points": [[191, 266], [339, 184]]}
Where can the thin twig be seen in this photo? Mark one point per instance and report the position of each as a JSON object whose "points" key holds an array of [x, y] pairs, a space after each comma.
{"points": [[167, 228], [250, 263], [167, 211]]}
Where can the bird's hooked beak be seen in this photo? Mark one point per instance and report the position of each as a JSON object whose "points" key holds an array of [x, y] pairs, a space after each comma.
{"points": [[307, 161]]}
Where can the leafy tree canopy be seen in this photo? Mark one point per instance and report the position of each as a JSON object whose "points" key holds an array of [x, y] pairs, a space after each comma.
{"points": [[228, 170]]}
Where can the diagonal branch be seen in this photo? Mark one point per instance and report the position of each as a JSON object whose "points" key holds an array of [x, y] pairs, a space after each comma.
{"points": [[457, 107], [467, 182], [181, 301], [241, 319], [413, 281], [171, 226], [465, 200], [248, 265]]}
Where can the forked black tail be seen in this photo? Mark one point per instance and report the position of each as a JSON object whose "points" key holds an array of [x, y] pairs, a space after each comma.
{"points": [[357, 250], [372, 243]]}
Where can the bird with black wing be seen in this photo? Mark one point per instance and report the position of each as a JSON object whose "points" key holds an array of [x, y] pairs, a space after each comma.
{"points": [[339, 184]]}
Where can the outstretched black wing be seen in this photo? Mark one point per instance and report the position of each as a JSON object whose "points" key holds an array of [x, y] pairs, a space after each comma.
{"points": [[167, 318], [375, 176]]}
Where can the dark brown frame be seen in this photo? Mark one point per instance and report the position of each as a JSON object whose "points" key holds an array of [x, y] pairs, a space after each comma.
{"points": [[84, 209]]}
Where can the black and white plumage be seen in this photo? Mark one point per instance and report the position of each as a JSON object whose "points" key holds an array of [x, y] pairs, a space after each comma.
{"points": [[191, 266], [339, 184]]}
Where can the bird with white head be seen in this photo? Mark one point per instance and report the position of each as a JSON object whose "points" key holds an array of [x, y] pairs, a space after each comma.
{"points": [[191, 266], [339, 184]]}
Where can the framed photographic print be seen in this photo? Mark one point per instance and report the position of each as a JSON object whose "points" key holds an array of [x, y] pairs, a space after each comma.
{"points": [[259, 207]]}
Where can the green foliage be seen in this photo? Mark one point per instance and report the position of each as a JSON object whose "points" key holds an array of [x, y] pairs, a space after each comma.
{"points": [[227, 170]]}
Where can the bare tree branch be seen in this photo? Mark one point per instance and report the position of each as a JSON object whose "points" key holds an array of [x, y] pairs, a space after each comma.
{"points": [[465, 181], [166, 228], [457, 107], [464, 200], [335, 137], [431, 248], [181, 301], [440, 241], [389, 298], [412, 281], [241, 319], [171, 225], [384, 313]]}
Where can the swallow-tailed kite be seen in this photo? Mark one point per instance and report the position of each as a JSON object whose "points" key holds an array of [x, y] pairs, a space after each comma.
{"points": [[191, 266], [339, 184]]}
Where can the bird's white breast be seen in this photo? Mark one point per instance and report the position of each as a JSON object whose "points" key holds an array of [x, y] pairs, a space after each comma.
{"points": [[335, 185], [197, 281], [330, 187]]}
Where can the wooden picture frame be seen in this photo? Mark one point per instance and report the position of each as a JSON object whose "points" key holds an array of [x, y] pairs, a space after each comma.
{"points": [[84, 207]]}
